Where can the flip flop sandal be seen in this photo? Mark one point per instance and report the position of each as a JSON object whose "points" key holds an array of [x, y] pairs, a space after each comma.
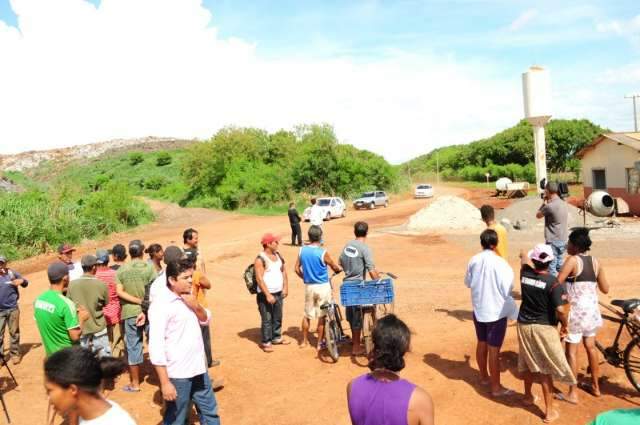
{"points": [[562, 397], [130, 389], [503, 393], [267, 348], [588, 388]]}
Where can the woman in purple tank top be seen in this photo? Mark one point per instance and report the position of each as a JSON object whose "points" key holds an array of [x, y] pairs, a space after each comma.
{"points": [[382, 397]]}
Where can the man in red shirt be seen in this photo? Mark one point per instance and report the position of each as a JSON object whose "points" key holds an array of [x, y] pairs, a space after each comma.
{"points": [[112, 309]]}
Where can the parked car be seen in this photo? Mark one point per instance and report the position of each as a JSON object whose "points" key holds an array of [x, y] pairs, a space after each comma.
{"points": [[371, 200], [424, 191], [332, 207]]}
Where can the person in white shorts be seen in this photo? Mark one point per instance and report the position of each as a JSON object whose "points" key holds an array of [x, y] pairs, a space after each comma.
{"points": [[312, 266], [584, 276]]}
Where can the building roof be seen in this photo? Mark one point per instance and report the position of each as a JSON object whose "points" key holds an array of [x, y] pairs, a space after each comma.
{"points": [[631, 140]]}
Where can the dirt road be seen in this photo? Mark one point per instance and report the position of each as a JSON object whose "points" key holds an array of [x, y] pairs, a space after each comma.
{"points": [[292, 386]]}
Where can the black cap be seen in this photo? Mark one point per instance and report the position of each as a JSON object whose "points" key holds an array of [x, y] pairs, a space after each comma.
{"points": [[57, 271]]}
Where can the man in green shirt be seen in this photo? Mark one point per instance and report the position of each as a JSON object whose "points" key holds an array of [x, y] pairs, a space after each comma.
{"points": [[56, 316], [92, 294], [131, 280]]}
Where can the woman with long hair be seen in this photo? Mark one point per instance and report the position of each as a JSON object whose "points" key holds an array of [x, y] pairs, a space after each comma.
{"points": [[156, 254], [73, 381], [382, 396]]}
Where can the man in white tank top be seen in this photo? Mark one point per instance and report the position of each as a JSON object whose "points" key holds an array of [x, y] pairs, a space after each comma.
{"points": [[273, 288]]}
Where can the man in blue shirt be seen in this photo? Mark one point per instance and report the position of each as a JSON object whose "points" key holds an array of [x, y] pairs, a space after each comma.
{"points": [[313, 268], [9, 313]]}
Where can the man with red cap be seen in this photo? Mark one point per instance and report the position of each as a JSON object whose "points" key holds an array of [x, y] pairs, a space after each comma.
{"points": [[65, 254], [273, 288]]}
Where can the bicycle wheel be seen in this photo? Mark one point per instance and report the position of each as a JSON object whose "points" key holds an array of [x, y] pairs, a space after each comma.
{"points": [[632, 362], [367, 331], [331, 337]]}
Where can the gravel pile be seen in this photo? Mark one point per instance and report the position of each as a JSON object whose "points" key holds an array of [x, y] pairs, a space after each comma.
{"points": [[446, 214]]}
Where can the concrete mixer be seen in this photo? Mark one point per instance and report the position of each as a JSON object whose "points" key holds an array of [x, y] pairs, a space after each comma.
{"points": [[600, 204]]}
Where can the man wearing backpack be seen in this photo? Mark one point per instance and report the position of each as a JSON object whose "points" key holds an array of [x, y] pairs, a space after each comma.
{"points": [[272, 289]]}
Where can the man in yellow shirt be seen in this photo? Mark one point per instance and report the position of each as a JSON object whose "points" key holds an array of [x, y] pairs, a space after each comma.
{"points": [[489, 217]]}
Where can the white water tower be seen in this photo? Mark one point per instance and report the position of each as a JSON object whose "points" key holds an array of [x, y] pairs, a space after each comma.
{"points": [[536, 90]]}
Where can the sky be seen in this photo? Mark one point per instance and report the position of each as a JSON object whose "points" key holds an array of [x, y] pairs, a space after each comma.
{"points": [[398, 78]]}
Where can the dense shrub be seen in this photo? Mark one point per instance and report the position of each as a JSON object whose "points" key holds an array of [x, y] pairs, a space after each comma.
{"points": [[135, 158], [155, 182], [164, 158]]}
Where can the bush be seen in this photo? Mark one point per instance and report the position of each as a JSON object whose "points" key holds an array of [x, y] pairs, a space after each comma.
{"points": [[155, 182], [34, 222], [135, 158], [164, 158]]}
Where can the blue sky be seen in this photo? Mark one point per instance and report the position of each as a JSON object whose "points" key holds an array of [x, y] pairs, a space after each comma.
{"points": [[591, 47]]}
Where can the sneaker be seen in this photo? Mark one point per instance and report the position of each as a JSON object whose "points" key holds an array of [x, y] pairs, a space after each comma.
{"points": [[214, 363]]}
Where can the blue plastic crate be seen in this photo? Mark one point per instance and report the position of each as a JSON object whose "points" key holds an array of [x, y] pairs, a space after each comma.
{"points": [[369, 292]]}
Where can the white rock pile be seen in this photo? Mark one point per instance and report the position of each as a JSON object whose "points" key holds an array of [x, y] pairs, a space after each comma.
{"points": [[446, 214]]}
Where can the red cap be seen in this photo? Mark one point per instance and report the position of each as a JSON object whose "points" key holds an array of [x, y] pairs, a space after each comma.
{"points": [[65, 248], [268, 238]]}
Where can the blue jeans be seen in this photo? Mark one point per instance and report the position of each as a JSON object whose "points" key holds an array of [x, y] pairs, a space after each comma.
{"points": [[559, 248], [197, 390], [98, 343]]}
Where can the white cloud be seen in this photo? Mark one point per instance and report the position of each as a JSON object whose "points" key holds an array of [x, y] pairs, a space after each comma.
{"points": [[523, 19], [75, 74], [625, 28]]}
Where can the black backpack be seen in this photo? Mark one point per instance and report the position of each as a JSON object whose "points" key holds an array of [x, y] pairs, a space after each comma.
{"points": [[249, 275]]}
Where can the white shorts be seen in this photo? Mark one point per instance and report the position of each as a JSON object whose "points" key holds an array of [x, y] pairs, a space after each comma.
{"points": [[576, 338], [314, 296]]}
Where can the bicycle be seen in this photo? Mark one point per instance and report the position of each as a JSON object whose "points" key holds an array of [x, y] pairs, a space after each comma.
{"points": [[374, 299], [333, 332], [629, 358]]}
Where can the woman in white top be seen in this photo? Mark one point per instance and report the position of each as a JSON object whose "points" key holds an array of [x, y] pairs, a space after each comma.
{"points": [[273, 287], [73, 379]]}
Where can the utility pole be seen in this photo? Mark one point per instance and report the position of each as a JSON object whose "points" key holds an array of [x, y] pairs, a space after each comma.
{"points": [[635, 110]]}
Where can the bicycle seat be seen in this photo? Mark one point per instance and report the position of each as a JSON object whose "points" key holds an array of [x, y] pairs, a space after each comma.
{"points": [[627, 305], [325, 306]]}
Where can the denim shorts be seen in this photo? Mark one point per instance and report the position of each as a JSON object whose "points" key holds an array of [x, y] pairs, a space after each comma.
{"points": [[98, 343], [133, 340]]}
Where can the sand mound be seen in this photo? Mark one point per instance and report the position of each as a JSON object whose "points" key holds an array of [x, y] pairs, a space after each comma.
{"points": [[446, 213]]}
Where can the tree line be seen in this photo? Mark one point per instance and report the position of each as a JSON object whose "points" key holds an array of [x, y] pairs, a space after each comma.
{"points": [[510, 152]]}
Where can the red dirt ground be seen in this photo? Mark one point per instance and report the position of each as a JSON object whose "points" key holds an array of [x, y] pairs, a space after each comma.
{"points": [[291, 385]]}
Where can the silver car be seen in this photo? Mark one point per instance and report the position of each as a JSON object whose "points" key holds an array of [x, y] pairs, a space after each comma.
{"points": [[371, 200]]}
